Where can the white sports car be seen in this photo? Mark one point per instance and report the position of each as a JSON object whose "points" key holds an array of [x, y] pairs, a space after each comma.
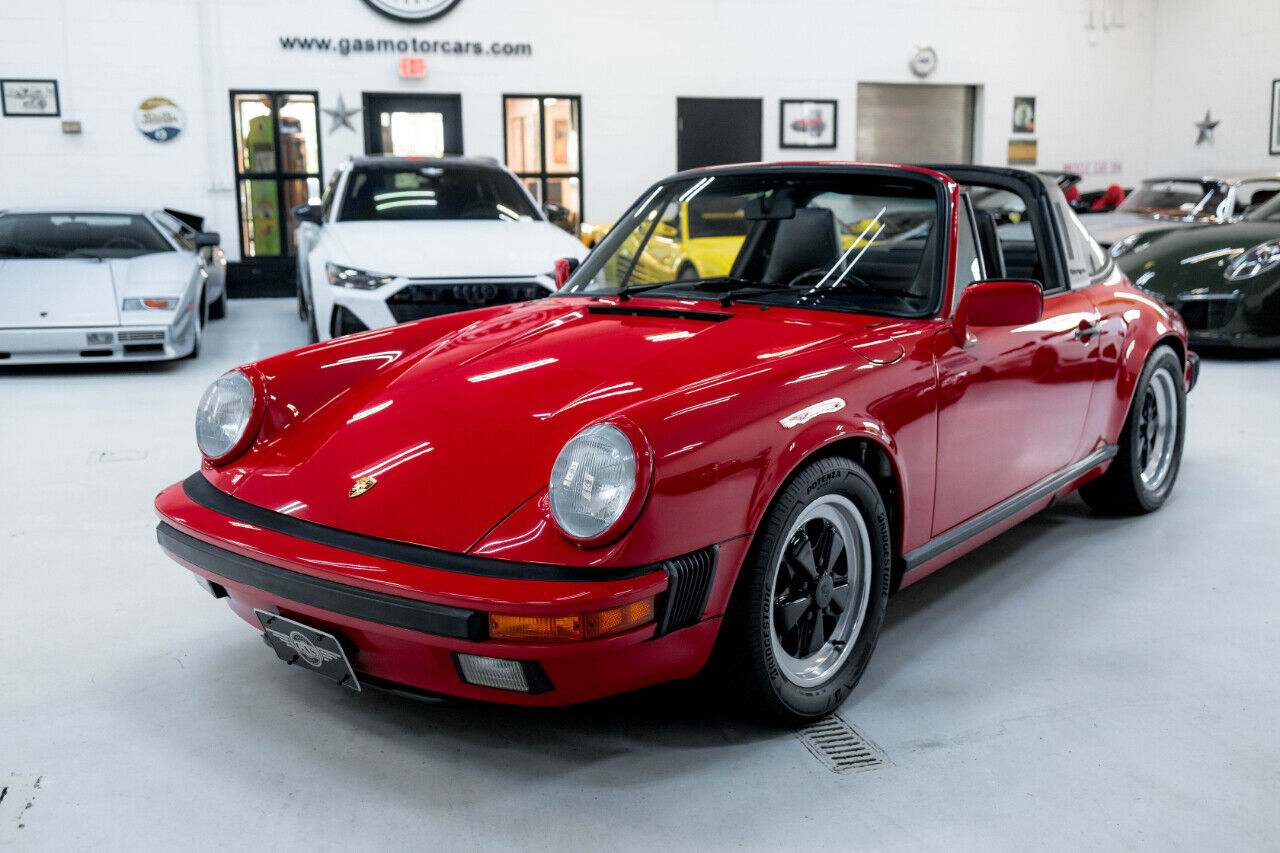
{"points": [[402, 238], [105, 285]]}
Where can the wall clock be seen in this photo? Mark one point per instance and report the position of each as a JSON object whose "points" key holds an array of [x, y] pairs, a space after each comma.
{"points": [[414, 11], [924, 62]]}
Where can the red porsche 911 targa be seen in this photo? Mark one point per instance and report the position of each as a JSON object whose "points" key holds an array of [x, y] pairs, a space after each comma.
{"points": [[569, 498]]}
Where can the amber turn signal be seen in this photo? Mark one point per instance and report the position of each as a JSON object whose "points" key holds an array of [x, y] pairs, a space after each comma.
{"points": [[571, 627]]}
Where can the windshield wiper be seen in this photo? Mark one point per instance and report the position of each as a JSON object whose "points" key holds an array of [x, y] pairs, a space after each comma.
{"points": [[747, 285]]}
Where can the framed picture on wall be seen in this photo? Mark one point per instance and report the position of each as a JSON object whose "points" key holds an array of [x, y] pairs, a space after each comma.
{"points": [[1275, 116], [807, 124], [30, 97], [1024, 114]]}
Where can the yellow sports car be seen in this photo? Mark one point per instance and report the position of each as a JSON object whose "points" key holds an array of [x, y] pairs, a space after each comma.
{"points": [[689, 242], [699, 241]]}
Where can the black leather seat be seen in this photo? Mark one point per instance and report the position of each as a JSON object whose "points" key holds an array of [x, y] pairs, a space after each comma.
{"points": [[806, 242], [989, 242]]}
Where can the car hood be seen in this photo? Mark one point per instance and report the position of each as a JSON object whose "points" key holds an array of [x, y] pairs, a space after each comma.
{"points": [[1175, 262], [56, 292], [47, 293], [452, 248], [461, 429]]}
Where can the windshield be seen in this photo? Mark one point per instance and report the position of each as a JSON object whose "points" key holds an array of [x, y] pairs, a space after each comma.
{"points": [[434, 193], [1200, 199], [821, 239], [1267, 212], [78, 235]]}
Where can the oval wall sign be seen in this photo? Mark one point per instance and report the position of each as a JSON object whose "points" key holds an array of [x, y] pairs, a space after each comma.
{"points": [[159, 119], [414, 11]]}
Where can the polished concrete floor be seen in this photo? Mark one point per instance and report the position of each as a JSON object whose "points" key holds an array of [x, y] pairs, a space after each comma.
{"points": [[1079, 682]]}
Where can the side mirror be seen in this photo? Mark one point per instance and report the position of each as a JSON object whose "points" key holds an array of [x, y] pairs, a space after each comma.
{"points": [[997, 302], [309, 213], [207, 239], [556, 212], [564, 269]]}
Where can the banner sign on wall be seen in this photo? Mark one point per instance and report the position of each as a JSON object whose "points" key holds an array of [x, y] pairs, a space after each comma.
{"points": [[1022, 152], [159, 119]]}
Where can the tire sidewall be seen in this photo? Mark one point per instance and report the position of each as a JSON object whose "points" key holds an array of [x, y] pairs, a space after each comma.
{"points": [[1163, 358], [834, 475]]}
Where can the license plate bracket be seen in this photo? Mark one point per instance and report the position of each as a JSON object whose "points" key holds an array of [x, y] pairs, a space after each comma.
{"points": [[296, 643]]}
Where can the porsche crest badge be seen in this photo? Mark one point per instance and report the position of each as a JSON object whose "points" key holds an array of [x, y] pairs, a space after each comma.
{"points": [[361, 486]]}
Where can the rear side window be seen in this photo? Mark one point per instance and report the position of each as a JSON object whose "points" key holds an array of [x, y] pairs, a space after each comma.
{"points": [[968, 267], [1085, 258]]}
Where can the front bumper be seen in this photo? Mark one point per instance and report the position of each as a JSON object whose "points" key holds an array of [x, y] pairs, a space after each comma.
{"points": [[405, 623], [406, 299], [67, 345]]}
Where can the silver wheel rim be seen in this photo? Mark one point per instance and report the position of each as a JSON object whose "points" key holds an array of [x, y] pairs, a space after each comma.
{"points": [[1157, 435], [820, 587]]}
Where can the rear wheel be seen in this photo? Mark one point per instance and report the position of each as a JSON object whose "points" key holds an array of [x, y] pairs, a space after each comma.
{"points": [[1150, 449], [814, 593]]}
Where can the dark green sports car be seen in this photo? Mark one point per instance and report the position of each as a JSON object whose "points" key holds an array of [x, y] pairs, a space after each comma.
{"points": [[1223, 279]]}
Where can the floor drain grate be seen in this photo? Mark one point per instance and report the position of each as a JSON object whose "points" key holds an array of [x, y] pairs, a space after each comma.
{"points": [[841, 747]]}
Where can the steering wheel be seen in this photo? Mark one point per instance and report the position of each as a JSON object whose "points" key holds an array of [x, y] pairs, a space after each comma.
{"points": [[817, 274], [123, 243]]}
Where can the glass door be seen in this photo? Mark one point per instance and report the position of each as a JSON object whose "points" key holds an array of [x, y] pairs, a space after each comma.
{"points": [[277, 153], [544, 148]]}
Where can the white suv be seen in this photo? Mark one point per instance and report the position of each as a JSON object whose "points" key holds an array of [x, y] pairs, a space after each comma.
{"points": [[402, 238]]}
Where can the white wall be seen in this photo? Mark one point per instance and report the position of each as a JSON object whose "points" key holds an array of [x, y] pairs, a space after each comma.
{"points": [[1101, 94], [1219, 56]]}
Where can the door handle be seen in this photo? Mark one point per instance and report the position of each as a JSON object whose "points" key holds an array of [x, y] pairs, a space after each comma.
{"points": [[1087, 328]]}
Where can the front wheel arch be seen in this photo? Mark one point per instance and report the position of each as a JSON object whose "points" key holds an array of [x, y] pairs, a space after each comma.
{"points": [[880, 463]]}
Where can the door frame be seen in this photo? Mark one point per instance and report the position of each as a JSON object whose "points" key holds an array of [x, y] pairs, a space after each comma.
{"points": [[277, 176], [456, 97]]}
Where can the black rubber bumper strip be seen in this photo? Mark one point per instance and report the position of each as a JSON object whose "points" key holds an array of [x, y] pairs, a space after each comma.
{"points": [[204, 493], [423, 616]]}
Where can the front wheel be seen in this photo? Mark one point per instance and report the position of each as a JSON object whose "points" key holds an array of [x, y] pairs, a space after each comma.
{"points": [[1150, 448], [202, 316], [817, 584]]}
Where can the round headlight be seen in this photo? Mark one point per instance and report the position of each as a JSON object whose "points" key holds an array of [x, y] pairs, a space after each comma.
{"points": [[224, 414], [1261, 258], [593, 481]]}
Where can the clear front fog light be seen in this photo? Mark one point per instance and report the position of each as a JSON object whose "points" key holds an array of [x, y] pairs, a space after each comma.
{"points": [[521, 676], [100, 338]]}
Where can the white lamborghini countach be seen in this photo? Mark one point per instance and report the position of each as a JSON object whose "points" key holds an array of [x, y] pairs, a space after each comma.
{"points": [[105, 285]]}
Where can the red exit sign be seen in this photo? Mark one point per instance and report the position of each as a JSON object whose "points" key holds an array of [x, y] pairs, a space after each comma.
{"points": [[413, 66]]}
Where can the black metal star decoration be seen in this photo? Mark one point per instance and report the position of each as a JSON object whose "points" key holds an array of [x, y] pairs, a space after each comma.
{"points": [[1206, 129], [341, 115]]}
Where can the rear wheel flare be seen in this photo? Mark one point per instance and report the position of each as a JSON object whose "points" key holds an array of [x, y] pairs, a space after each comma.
{"points": [[1149, 452]]}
